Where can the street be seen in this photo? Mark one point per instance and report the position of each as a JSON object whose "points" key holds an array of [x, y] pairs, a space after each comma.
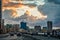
{"points": [[28, 37]]}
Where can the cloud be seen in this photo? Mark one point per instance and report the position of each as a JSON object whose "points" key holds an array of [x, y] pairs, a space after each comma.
{"points": [[57, 19], [11, 4], [7, 21], [8, 14], [26, 17], [25, 2], [54, 1], [32, 20], [52, 11], [28, 0]]}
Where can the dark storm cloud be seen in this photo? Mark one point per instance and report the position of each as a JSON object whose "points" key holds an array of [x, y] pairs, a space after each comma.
{"points": [[54, 1], [57, 19], [53, 12]]}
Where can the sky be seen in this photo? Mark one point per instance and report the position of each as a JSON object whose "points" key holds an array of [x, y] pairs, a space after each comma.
{"points": [[34, 12]]}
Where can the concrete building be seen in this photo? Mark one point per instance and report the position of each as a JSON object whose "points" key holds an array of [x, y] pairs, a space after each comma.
{"points": [[49, 26], [9, 27], [0, 16], [3, 28], [16, 27], [37, 28], [44, 29]]}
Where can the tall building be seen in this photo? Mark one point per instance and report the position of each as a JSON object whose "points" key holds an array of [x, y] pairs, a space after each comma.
{"points": [[0, 16], [3, 28], [23, 25], [49, 26], [37, 28], [2, 25]]}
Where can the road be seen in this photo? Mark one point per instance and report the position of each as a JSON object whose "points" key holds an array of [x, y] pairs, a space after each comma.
{"points": [[28, 37]]}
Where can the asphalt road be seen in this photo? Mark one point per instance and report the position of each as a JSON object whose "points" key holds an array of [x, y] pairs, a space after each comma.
{"points": [[28, 37]]}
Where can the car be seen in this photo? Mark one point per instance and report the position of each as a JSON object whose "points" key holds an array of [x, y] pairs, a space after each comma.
{"points": [[11, 33], [18, 34]]}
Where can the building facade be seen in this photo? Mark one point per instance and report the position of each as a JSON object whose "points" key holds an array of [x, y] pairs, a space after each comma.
{"points": [[16, 27], [23, 25], [44, 29], [0, 16], [37, 28], [49, 26]]}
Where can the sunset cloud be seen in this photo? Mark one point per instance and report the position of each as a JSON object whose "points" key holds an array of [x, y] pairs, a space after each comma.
{"points": [[36, 12]]}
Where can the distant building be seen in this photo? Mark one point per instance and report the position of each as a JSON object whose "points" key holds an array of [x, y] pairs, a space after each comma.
{"points": [[3, 28], [49, 26], [54, 32], [44, 29], [9, 27], [37, 28], [0, 16], [15, 27], [23, 25], [0, 25]]}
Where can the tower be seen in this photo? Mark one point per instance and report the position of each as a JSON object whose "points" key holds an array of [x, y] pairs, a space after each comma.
{"points": [[0, 16], [23, 25], [49, 26]]}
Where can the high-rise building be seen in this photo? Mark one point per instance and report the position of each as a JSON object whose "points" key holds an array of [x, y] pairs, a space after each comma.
{"points": [[49, 26], [0, 16], [3, 28], [37, 28], [23, 25], [2, 25]]}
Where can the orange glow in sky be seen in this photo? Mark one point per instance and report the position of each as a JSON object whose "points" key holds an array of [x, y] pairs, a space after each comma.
{"points": [[30, 10]]}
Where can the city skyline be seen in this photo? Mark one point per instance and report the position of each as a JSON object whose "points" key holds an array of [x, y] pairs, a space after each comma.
{"points": [[30, 19]]}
